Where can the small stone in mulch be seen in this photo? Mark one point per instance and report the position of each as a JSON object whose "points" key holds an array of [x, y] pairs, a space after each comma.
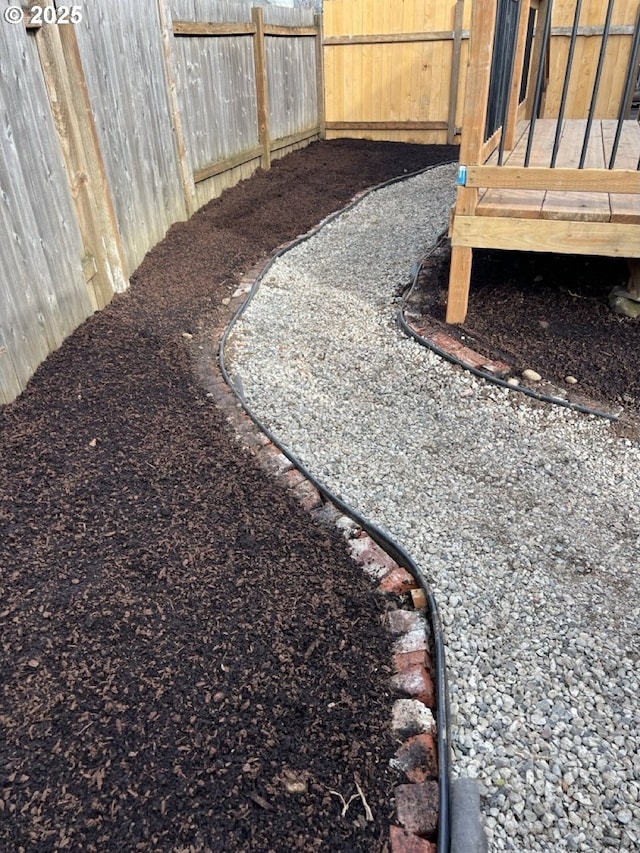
{"points": [[523, 312], [531, 375]]}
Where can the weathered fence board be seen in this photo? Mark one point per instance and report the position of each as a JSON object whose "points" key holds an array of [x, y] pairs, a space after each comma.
{"points": [[43, 293], [217, 96], [244, 96], [117, 126], [291, 74], [122, 54], [103, 261]]}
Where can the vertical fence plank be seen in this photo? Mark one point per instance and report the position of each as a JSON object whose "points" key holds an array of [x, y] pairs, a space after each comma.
{"points": [[123, 58], [217, 90], [43, 293], [66, 84], [262, 88], [186, 174], [292, 74], [320, 80]]}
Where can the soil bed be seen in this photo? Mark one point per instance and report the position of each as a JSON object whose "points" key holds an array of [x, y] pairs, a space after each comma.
{"points": [[546, 312], [182, 648]]}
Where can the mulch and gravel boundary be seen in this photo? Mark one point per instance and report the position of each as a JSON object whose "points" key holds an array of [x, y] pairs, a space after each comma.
{"points": [[173, 627], [523, 514], [416, 799]]}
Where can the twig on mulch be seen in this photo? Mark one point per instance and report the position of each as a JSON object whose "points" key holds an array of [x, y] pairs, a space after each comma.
{"points": [[367, 811], [346, 803]]}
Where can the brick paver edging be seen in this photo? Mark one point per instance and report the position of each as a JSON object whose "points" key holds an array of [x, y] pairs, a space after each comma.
{"points": [[413, 723], [498, 372]]}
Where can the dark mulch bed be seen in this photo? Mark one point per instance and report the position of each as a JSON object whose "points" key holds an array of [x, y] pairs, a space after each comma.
{"points": [[545, 312], [179, 641]]}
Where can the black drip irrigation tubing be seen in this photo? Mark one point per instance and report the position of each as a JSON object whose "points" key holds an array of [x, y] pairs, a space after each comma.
{"points": [[390, 546], [483, 374]]}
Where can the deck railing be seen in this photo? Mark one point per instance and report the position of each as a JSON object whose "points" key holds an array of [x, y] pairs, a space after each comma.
{"points": [[530, 61], [512, 79]]}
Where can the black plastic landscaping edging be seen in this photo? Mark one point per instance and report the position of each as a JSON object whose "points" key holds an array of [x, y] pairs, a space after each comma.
{"points": [[484, 374], [392, 548]]}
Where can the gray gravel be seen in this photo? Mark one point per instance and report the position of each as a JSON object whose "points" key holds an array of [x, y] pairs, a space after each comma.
{"points": [[525, 517]]}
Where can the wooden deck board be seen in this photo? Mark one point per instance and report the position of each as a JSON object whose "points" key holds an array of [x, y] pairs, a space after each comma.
{"points": [[614, 239], [565, 205], [523, 204], [583, 207], [625, 207], [592, 211]]}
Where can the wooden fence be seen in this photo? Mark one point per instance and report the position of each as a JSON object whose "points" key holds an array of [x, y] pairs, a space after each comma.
{"points": [[393, 69], [267, 106], [119, 125], [43, 291], [130, 119], [397, 70]]}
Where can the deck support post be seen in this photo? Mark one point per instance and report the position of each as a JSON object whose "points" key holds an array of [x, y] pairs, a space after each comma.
{"points": [[483, 27], [459, 281]]}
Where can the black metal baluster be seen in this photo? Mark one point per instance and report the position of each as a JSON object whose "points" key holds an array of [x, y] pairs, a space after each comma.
{"points": [[507, 94], [632, 76], [539, 81]]}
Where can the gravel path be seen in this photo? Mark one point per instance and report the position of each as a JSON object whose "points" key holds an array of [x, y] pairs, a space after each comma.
{"points": [[524, 516]]}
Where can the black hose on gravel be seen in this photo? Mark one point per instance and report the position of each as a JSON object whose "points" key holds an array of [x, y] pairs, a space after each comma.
{"points": [[395, 551]]}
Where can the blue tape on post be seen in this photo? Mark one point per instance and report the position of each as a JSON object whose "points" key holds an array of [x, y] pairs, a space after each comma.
{"points": [[462, 176]]}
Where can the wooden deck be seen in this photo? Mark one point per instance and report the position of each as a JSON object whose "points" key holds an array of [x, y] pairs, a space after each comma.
{"points": [[563, 204], [539, 209], [535, 208]]}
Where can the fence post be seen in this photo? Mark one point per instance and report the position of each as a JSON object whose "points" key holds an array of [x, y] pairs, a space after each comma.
{"points": [[186, 175], [262, 86], [104, 262], [455, 71], [318, 21]]}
